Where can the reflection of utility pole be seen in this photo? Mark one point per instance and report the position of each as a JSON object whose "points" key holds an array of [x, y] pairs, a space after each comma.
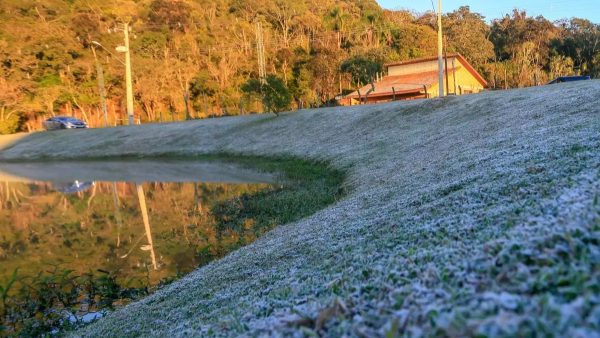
{"points": [[101, 89], [440, 50], [117, 213], [142, 199]]}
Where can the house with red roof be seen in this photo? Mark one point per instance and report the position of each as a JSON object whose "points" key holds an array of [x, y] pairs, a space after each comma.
{"points": [[419, 79]]}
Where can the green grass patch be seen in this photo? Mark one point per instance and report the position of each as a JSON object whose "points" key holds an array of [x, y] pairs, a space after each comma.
{"points": [[306, 188]]}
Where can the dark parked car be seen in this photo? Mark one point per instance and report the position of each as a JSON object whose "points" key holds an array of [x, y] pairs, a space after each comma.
{"points": [[562, 79], [63, 122]]}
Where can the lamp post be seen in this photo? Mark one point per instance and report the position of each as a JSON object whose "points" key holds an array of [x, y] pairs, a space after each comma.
{"points": [[128, 76]]}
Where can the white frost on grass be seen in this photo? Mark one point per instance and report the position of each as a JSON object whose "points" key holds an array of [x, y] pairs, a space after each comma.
{"points": [[474, 215]]}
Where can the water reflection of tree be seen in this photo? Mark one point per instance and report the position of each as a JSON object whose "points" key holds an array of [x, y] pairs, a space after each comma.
{"points": [[98, 226], [90, 230], [117, 215], [10, 195]]}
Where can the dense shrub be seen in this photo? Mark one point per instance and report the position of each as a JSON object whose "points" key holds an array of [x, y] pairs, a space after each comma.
{"points": [[11, 124]]}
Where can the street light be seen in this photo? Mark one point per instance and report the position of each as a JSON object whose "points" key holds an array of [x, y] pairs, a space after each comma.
{"points": [[127, 63], [96, 43]]}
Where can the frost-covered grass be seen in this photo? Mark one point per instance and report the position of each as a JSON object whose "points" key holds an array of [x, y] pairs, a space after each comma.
{"points": [[467, 216]]}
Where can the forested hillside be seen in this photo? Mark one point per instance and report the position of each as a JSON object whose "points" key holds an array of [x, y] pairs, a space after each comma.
{"points": [[204, 53]]}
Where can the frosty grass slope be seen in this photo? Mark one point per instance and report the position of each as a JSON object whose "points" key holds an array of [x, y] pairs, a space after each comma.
{"points": [[468, 215]]}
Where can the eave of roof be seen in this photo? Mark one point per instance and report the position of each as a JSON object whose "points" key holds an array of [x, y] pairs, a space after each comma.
{"points": [[354, 95], [404, 84], [409, 91]]}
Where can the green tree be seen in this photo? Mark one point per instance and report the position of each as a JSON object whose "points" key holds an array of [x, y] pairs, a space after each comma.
{"points": [[275, 95], [411, 40], [362, 69], [300, 85], [10, 95], [580, 42], [595, 71], [173, 15], [467, 34], [512, 31], [560, 66], [525, 42], [11, 125], [202, 89]]}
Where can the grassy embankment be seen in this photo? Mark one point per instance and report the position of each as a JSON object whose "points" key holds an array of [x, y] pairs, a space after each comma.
{"points": [[467, 216]]}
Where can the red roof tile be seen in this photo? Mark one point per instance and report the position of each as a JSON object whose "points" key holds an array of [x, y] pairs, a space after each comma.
{"points": [[402, 84]]}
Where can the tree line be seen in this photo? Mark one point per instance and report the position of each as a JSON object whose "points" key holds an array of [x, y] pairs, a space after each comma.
{"points": [[197, 59]]}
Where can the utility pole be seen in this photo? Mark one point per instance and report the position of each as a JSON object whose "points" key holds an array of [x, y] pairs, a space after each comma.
{"points": [[440, 50], [260, 52], [446, 65], [101, 89], [127, 64], [128, 80]]}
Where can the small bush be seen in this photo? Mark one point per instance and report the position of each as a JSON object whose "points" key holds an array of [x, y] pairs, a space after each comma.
{"points": [[11, 125]]}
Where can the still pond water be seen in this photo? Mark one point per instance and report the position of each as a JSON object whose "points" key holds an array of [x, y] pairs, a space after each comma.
{"points": [[128, 226]]}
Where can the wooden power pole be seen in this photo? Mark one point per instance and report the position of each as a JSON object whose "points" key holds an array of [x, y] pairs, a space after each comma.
{"points": [[440, 50]]}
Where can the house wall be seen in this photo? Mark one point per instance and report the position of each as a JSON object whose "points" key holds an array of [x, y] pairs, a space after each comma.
{"points": [[466, 83]]}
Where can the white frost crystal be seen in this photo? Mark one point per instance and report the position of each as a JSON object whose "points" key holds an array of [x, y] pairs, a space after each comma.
{"points": [[466, 215]]}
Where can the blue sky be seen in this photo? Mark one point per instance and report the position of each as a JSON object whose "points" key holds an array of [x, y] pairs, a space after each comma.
{"points": [[551, 9]]}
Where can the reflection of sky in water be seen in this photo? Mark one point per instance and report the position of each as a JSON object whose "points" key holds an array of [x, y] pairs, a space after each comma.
{"points": [[144, 233]]}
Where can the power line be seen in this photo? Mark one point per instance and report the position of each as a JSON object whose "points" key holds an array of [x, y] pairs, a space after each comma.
{"points": [[320, 37]]}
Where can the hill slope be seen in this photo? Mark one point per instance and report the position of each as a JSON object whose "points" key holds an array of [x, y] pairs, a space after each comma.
{"points": [[468, 215]]}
